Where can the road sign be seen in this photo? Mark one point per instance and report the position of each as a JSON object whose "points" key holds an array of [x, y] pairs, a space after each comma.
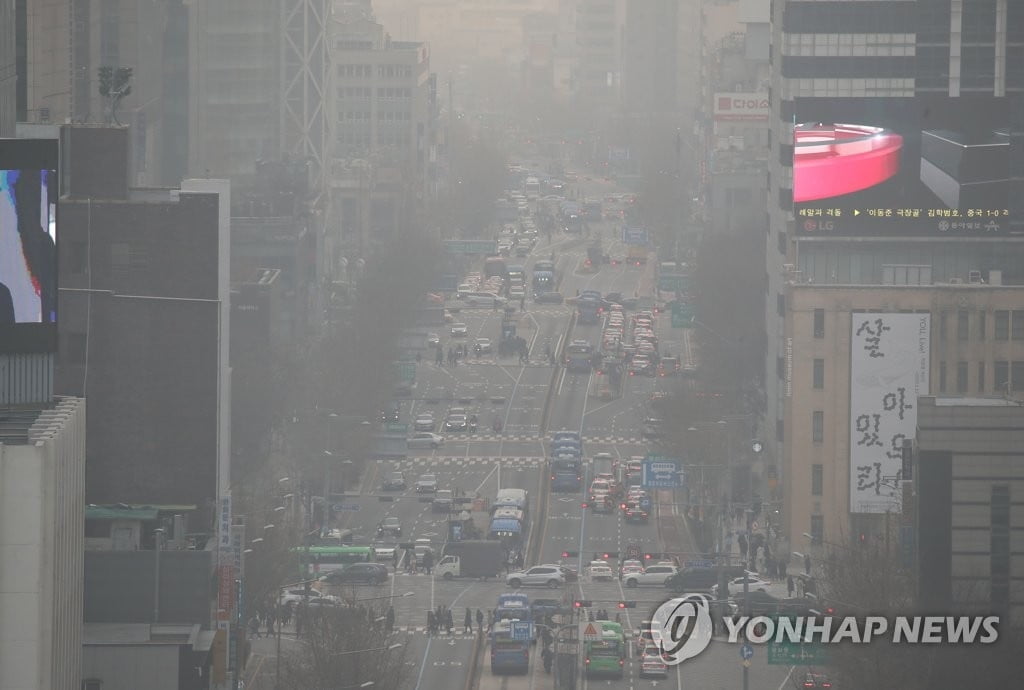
{"points": [[699, 563], [396, 428], [567, 647], [746, 652], [661, 472], [471, 246], [634, 237], [796, 654], [522, 630], [338, 507], [673, 283], [406, 371], [591, 633], [682, 315]]}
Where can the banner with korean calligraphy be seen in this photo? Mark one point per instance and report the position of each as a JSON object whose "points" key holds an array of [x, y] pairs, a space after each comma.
{"points": [[889, 360]]}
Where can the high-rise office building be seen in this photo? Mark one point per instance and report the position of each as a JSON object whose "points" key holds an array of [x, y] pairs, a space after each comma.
{"points": [[897, 131]]}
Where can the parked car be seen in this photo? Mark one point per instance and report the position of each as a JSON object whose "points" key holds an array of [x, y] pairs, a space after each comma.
{"points": [[425, 439], [426, 484], [370, 573], [395, 481], [539, 575]]}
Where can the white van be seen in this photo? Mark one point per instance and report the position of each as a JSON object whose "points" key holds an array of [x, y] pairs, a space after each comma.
{"points": [[483, 299]]}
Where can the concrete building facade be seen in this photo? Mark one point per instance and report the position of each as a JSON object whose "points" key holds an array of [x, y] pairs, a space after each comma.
{"points": [[872, 58], [969, 479], [42, 515], [144, 329], [8, 68], [975, 350], [382, 114]]}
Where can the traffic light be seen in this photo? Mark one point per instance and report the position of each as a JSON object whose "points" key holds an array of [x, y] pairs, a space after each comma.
{"points": [[582, 603], [627, 604], [570, 554], [610, 554]]}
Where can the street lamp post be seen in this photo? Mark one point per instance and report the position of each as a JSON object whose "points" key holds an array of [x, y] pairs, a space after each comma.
{"points": [[158, 535]]}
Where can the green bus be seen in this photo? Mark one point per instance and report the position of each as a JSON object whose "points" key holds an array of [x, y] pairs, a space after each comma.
{"points": [[315, 561], [606, 657]]}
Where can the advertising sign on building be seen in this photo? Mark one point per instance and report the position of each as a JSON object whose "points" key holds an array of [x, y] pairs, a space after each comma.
{"points": [[922, 165], [741, 107], [889, 359]]}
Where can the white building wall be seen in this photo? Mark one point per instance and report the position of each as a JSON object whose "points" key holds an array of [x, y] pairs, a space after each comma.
{"points": [[42, 513]]}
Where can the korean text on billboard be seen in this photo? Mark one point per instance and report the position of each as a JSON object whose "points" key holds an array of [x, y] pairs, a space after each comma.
{"points": [[889, 359]]}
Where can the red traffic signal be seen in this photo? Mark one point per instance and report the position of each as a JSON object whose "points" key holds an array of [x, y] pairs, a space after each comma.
{"points": [[627, 604], [570, 554], [582, 603]]}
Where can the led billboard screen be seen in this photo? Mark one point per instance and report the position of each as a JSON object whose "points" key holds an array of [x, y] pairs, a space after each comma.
{"points": [[901, 166], [28, 245]]}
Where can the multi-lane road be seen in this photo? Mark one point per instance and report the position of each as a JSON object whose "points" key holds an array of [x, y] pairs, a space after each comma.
{"points": [[530, 400]]}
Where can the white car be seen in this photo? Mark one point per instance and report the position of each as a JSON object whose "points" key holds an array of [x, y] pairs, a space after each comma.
{"points": [[652, 665], [483, 346], [433, 339], [460, 330], [754, 583], [293, 597], [656, 574], [599, 570], [630, 568], [517, 292], [424, 422], [425, 439], [539, 575]]}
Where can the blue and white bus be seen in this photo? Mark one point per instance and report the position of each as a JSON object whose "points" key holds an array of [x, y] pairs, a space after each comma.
{"points": [[508, 655]]}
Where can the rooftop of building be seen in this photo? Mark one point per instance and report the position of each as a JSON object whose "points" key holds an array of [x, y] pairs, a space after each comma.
{"points": [[24, 424], [94, 634]]}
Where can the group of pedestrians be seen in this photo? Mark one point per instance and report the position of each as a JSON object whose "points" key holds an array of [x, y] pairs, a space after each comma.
{"points": [[266, 619], [441, 621]]}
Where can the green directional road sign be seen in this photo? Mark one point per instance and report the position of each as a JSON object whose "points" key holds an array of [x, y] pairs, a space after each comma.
{"points": [[673, 283], [406, 371], [471, 246], [796, 654], [682, 315], [396, 428]]}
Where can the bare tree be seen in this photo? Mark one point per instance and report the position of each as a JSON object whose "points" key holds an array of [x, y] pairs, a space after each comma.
{"points": [[344, 647]]}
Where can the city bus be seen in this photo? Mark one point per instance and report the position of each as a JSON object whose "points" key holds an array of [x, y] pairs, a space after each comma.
{"points": [[508, 655], [318, 560], [566, 473], [607, 656], [579, 356]]}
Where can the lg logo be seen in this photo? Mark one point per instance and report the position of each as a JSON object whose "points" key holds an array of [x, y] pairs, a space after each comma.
{"points": [[682, 629]]}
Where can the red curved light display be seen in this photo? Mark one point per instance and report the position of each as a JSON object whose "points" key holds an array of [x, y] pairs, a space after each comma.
{"points": [[830, 160]]}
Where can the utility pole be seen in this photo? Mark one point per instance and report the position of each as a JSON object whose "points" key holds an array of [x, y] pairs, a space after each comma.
{"points": [[746, 612]]}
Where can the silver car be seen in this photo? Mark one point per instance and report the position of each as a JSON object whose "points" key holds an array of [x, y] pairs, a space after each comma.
{"points": [[539, 575]]}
